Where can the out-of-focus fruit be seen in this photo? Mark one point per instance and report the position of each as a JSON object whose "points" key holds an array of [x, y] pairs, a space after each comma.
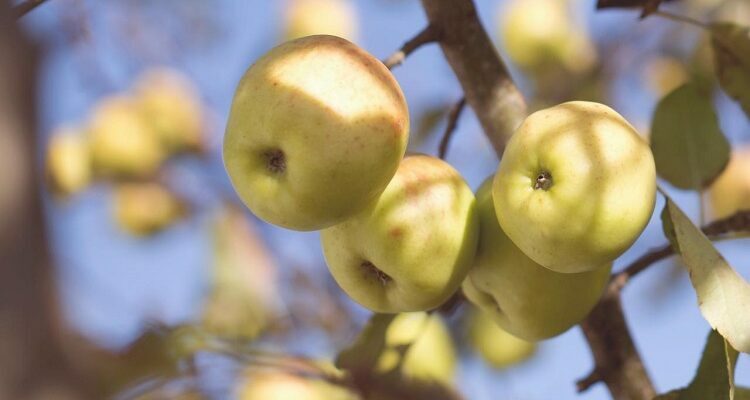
{"points": [[279, 385], [664, 74], [145, 208], [730, 192], [122, 143], [68, 162], [496, 346], [171, 106], [320, 17]]}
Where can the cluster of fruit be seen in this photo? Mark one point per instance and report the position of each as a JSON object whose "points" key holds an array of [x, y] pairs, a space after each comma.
{"points": [[126, 140], [316, 139]]}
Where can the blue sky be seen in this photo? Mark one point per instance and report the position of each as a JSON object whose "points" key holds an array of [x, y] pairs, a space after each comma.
{"points": [[111, 283]]}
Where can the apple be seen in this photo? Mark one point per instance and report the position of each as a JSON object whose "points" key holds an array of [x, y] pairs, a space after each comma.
{"points": [[575, 187], [431, 355], [122, 143], [145, 208], [730, 192], [526, 299], [171, 105], [540, 33], [281, 385], [316, 131], [496, 346], [68, 162], [410, 250], [320, 17]]}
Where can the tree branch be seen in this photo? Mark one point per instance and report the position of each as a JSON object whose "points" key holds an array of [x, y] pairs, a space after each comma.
{"points": [[427, 35], [738, 222], [26, 7], [453, 115], [500, 107], [485, 80]]}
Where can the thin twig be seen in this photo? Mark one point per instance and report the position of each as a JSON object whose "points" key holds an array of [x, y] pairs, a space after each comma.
{"points": [[589, 380], [24, 8], [427, 35], [453, 116], [680, 18], [738, 222]]}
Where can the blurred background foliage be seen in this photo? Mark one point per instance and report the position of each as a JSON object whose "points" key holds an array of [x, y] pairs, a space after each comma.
{"points": [[163, 269]]}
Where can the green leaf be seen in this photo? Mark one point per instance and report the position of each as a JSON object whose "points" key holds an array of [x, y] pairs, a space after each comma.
{"points": [[731, 45], [723, 296], [688, 145], [244, 292], [714, 378]]}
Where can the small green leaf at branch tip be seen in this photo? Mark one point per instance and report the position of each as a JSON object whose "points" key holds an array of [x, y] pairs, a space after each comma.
{"points": [[731, 47], [723, 295], [689, 148]]}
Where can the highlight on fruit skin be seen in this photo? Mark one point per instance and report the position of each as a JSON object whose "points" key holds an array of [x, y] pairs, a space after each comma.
{"points": [[320, 17], [524, 298], [123, 145], [410, 250], [730, 192], [171, 106], [576, 186], [496, 346], [68, 162], [316, 131], [146, 208]]}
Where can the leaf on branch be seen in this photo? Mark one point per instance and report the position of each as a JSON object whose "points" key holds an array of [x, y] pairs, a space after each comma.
{"points": [[715, 376], [723, 296], [731, 46], [689, 148]]}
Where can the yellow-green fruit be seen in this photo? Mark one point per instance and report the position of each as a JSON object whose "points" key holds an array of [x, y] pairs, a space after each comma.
{"points": [[68, 162], [316, 131], [496, 346], [171, 106], [143, 209], [431, 355], [411, 249], [122, 143], [576, 186], [320, 17], [730, 192], [526, 299], [536, 33], [278, 385]]}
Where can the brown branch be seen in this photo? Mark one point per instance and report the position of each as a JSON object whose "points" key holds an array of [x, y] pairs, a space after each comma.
{"points": [[427, 35], [26, 7], [738, 222], [453, 115], [485, 80], [617, 361], [500, 107]]}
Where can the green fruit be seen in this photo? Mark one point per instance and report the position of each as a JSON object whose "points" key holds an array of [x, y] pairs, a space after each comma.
{"points": [[496, 346], [576, 186], [68, 162], [122, 143], [526, 299], [316, 131], [730, 192], [320, 17], [431, 355], [278, 385], [145, 208], [411, 249]]}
